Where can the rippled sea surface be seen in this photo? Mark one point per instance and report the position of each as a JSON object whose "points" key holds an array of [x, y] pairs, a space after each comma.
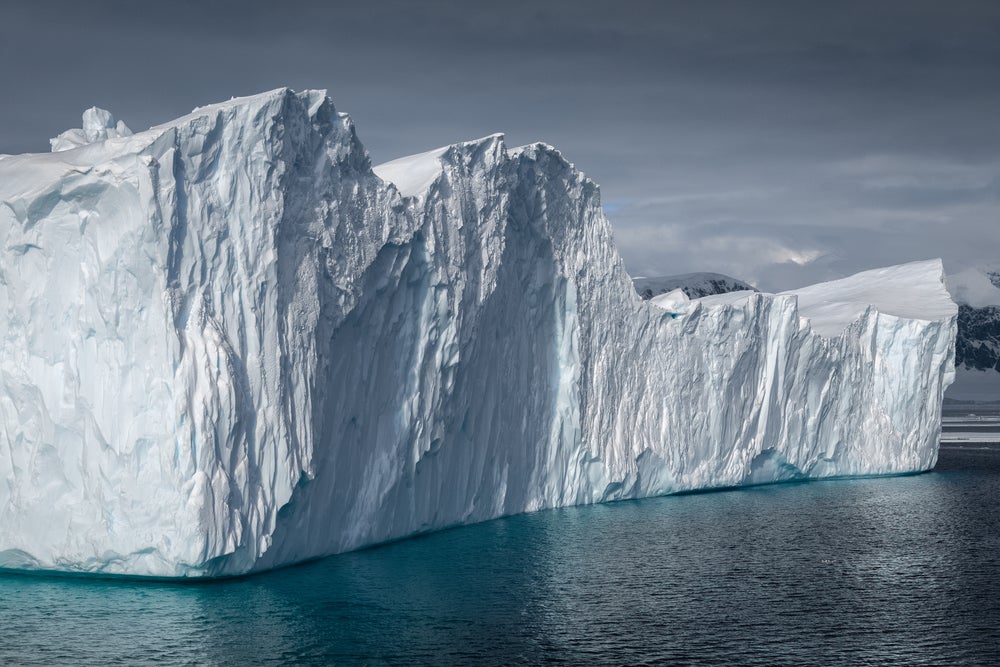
{"points": [[901, 570]]}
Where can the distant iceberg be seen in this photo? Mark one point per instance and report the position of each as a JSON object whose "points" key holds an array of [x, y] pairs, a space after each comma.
{"points": [[230, 344]]}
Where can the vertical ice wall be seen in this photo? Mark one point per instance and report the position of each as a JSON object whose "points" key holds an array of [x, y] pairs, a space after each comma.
{"points": [[229, 345]]}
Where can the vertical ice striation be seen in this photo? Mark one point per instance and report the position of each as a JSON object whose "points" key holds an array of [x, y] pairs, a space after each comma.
{"points": [[229, 344]]}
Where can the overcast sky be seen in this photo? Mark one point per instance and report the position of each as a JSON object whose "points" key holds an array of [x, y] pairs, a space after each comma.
{"points": [[779, 142]]}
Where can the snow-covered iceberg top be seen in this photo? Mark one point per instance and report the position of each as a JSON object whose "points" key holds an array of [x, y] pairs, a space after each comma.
{"points": [[229, 344], [914, 291]]}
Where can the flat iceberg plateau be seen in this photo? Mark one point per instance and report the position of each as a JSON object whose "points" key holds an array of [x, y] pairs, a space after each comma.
{"points": [[230, 344]]}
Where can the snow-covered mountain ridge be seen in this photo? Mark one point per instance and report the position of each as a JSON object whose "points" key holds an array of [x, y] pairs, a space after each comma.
{"points": [[694, 285], [230, 345], [977, 346]]}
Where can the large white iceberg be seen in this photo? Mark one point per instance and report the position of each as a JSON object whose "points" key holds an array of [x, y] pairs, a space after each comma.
{"points": [[229, 344]]}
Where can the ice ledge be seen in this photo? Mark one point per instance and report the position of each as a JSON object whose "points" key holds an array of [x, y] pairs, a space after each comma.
{"points": [[413, 175], [912, 291]]}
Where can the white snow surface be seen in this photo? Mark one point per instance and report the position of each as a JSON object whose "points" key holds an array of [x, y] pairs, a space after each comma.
{"points": [[675, 301], [914, 291], [228, 345]]}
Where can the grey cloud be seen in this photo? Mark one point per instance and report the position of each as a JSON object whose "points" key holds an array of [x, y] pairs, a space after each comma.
{"points": [[781, 142]]}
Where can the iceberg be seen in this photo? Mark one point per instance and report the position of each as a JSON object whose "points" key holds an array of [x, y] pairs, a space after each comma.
{"points": [[231, 344]]}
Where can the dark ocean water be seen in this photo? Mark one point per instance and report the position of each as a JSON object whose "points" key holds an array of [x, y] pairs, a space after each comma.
{"points": [[902, 570]]}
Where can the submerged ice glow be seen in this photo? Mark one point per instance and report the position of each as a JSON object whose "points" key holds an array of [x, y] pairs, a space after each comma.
{"points": [[229, 344]]}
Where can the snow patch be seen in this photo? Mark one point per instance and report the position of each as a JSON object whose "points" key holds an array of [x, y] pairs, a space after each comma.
{"points": [[675, 301], [413, 174]]}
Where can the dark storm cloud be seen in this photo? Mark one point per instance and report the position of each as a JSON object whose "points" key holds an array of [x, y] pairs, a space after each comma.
{"points": [[782, 142]]}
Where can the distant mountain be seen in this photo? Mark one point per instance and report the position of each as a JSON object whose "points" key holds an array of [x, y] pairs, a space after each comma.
{"points": [[978, 344], [977, 348], [695, 285]]}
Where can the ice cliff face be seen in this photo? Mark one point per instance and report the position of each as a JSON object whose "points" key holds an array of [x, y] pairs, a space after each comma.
{"points": [[228, 345]]}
